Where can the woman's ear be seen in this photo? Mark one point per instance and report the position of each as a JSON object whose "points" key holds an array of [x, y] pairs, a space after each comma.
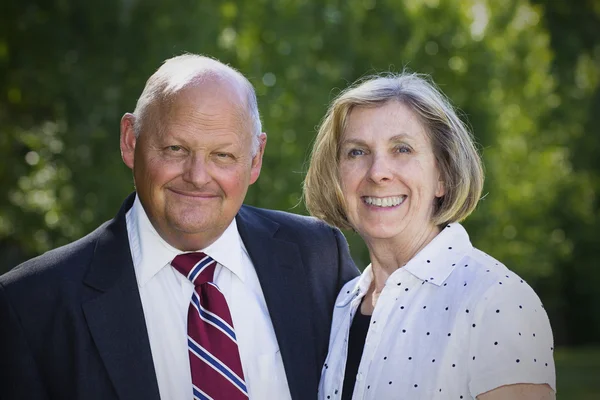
{"points": [[441, 189]]}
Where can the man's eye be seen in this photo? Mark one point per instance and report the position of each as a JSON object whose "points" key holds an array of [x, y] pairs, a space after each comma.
{"points": [[225, 157], [175, 148]]}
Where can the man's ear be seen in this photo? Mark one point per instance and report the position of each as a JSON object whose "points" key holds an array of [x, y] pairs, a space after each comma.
{"points": [[257, 159], [128, 139]]}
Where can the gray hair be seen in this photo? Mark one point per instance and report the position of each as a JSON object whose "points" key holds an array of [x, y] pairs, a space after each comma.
{"points": [[453, 146], [180, 72]]}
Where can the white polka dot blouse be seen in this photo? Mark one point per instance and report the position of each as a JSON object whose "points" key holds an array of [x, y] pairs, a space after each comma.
{"points": [[451, 324]]}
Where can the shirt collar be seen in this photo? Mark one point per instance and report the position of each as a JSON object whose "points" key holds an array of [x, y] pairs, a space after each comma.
{"points": [[155, 253], [436, 261], [433, 264], [359, 289], [228, 250]]}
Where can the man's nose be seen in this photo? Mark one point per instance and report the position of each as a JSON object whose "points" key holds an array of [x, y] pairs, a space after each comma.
{"points": [[197, 171], [380, 169]]}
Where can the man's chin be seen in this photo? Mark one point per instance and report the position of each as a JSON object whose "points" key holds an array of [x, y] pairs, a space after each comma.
{"points": [[197, 228], [191, 228], [191, 237]]}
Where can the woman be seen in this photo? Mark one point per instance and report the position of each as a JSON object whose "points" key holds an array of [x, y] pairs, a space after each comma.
{"points": [[431, 317]]}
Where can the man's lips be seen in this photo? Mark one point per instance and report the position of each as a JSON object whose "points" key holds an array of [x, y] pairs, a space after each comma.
{"points": [[198, 195]]}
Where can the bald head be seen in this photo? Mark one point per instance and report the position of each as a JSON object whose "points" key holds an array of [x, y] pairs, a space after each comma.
{"points": [[187, 71]]}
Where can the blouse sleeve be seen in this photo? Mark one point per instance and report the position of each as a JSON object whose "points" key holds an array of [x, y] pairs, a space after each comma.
{"points": [[512, 341]]}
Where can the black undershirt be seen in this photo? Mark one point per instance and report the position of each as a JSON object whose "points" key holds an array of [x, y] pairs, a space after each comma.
{"points": [[356, 344]]}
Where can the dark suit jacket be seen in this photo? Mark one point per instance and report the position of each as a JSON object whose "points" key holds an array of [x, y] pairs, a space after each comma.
{"points": [[72, 324]]}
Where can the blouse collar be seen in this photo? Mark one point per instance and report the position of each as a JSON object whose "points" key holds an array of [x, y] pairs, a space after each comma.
{"points": [[433, 264]]}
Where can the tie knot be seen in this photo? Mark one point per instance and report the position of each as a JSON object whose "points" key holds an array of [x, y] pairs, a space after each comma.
{"points": [[198, 267]]}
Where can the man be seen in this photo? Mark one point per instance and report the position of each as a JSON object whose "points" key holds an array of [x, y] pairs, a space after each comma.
{"points": [[106, 317]]}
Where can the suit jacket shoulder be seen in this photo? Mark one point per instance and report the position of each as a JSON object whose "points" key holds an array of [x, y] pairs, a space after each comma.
{"points": [[62, 263], [72, 319], [299, 227], [323, 248]]}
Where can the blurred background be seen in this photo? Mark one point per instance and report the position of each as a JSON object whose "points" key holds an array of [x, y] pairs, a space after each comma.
{"points": [[525, 74]]}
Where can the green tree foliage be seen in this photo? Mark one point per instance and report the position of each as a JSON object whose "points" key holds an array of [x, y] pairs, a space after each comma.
{"points": [[69, 70], [575, 40]]}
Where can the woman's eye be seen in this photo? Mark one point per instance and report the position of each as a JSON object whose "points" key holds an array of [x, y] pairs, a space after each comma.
{"points": [[356, 152], [403, 149]]}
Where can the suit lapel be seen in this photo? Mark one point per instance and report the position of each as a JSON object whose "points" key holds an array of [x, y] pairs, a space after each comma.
{"points": [[282, 277], [114, 314]]}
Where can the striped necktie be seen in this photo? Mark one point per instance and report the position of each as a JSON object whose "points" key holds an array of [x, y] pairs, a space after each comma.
{"points": [[214, 356]]}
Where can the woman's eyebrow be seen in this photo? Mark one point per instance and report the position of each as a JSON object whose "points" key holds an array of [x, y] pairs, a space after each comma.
{"points": [[396, 138], [400, 137], [358, 142]]}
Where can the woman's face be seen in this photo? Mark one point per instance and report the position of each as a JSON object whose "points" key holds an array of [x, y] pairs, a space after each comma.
{"points": [[388, 173]]}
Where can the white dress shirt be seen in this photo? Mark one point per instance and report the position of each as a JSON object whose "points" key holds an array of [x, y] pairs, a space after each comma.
{"points": [[166, 295], [451, 324]]}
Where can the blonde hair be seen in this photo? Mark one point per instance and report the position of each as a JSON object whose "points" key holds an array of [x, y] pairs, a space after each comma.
{"points": [[456, 156]]}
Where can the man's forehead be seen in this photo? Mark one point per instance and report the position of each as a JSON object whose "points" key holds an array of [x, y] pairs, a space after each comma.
{"points": [[221, 99], [215, 102], [213, 76], [211, 90]]}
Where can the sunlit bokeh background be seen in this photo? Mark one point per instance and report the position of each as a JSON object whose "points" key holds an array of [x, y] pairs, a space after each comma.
{"points": [[525, 75]]}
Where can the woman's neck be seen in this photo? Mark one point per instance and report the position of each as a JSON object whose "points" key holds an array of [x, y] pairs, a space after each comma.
{"points": [[388, 255]]}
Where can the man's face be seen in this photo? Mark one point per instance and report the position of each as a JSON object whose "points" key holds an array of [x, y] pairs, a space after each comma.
{"points": [[192, 175]]}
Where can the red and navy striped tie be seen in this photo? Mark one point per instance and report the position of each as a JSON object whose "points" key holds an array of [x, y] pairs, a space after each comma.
{"points": [[214, 356]]}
